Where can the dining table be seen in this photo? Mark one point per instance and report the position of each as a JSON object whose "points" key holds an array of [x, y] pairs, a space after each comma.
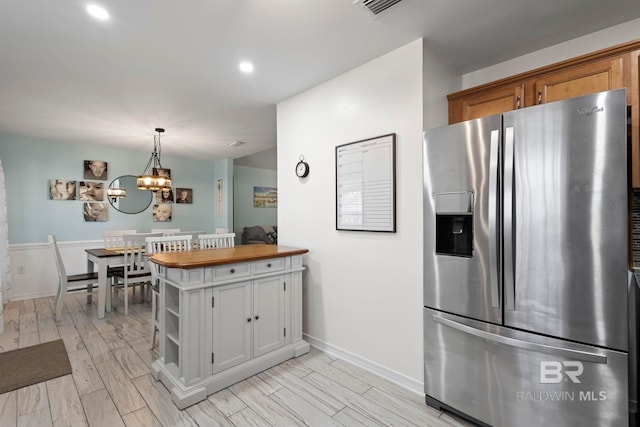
{"points": [[103, 258]]}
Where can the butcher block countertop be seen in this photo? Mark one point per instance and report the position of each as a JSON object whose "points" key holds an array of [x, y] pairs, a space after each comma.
{"points": [[208, 257]]}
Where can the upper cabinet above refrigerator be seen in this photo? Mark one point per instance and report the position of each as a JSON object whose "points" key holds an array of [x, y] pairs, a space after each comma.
{"points": [[607, 69], [592, 77]]}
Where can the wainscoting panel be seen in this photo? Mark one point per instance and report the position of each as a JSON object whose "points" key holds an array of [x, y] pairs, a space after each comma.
{"points": [[33, 269]]}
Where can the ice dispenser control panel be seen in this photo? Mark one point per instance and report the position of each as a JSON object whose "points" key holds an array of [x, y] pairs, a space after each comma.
{"points": [[454, 224]]}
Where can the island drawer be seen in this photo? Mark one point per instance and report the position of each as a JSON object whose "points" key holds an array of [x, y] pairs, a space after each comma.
{"points": [[230, 271], [268, 265]]}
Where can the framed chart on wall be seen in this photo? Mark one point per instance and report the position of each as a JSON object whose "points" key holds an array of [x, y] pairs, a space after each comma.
{"points": [[366, 185]]}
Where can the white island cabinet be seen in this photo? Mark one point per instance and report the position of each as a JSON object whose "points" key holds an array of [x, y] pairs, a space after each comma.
{"points": [[225, 315]]}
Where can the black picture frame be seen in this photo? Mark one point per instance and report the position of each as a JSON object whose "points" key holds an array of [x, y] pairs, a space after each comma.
{"points": [[366, 185], [184, 195]]}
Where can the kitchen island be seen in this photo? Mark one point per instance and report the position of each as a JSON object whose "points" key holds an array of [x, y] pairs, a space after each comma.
{"points": [[225, 315]]}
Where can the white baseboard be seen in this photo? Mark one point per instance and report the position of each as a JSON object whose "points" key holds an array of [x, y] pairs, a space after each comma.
{"points": [[395, 377], [25, 296]]}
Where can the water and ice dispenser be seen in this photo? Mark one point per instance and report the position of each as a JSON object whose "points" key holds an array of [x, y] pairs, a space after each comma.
{"points": [[454, 224]]}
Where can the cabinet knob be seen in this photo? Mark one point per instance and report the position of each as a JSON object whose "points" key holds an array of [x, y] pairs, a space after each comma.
{"points": [[269, 265], [248, 319], [233, 270], [257, 317]]}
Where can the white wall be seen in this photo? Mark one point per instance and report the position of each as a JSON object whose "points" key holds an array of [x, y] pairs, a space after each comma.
{"points": [[580, 46], [363, 290], [438, 79]]}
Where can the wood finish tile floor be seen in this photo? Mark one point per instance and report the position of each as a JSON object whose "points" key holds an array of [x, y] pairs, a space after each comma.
{"points": [[111, 384]]}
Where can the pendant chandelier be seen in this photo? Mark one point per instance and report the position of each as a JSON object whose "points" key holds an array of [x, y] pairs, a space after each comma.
{"points": [[154, 181], [115, 193]]}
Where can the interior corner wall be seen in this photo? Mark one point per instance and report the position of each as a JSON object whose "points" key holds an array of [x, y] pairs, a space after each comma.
{"points": [[362, 290], [245, 214], [438, 79]]}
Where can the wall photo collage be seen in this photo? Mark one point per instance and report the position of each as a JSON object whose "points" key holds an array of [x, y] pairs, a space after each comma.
{"points": [[92, 191]]}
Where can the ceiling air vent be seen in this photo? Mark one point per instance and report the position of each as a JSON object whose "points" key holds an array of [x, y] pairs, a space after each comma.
{"points": [[235, 143], [374, 7]]}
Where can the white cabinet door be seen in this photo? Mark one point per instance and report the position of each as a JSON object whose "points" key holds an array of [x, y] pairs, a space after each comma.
{"points": [[268, 315], [232, 323]]}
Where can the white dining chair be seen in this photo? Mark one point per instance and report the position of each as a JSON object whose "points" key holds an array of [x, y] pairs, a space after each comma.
{"points": [[113, 238], [168, 244], [136, 266], [166, 231], [194, 236], [69, 282], [155, 245], [216, 240]]}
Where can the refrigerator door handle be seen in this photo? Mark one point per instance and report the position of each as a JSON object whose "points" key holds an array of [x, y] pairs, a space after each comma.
{"points": [[514, 342], [493, 219], [508, 224]]}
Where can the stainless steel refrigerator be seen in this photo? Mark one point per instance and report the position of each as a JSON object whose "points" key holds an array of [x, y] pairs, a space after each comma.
{"points": [[526, 269]]}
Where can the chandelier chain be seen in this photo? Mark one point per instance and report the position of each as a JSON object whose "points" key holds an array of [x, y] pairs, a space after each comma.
{"points": [[149, 180]]}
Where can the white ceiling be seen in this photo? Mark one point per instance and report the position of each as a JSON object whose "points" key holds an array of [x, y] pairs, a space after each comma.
{"points": [[174, 63]]}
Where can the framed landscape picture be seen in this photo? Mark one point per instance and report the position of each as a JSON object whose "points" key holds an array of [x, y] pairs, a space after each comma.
{"points": [[265, 197]]}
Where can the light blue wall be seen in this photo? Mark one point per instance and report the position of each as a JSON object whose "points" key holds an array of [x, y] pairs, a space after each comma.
{"points": [[245, 215], [30, 163]]}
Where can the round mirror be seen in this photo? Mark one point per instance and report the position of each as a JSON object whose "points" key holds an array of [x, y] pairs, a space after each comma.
{"points": [[135, 200]]}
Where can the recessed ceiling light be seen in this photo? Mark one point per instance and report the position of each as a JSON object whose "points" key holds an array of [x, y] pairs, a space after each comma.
{"points": [[246, 67], [98, 12]]}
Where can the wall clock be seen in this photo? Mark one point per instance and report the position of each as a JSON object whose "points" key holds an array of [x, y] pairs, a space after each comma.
{"points": [[302, 168]]}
